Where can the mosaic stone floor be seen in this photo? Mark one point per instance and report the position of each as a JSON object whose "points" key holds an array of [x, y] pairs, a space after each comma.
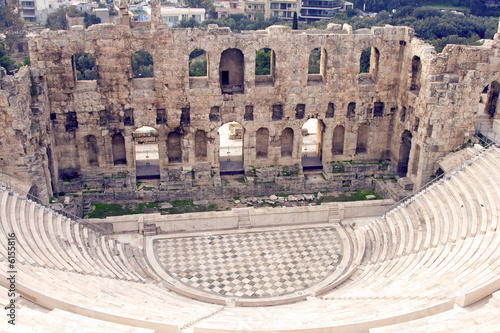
{"points": [[252, 264]]}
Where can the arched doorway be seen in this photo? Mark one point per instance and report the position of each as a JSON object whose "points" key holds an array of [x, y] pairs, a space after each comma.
{"points": [[338, 140], [404, 153], [312, 137], [147, 161], [231, 148]]}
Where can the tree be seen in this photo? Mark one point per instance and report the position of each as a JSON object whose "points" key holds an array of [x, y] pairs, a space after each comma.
{"points": [[263, 62], [364, 61], [91, 19], [295, 24], [57, 20], [85, 66], [198, 67], [5, 60], [314, 61], [142, 64], [9, 19], [189, 23]]}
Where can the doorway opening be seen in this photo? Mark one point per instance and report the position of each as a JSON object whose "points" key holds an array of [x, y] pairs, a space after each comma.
{"points": [[404, 154], [147, 160], [312, 137], [231, 148]]}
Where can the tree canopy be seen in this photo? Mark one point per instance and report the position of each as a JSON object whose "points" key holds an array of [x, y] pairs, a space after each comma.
{"points": [[5, 60], [9, 19], [142, 64], [85, 66], [263, 62], [198, 63], [314, 61]]}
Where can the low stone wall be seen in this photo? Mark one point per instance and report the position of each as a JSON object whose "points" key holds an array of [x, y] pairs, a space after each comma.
{"points": [[242, 217]]}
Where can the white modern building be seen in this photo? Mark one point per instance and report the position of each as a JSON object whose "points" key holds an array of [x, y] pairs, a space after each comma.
{"points": [[173, 15]]}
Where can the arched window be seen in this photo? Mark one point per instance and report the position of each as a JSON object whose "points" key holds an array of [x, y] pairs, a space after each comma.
{"points": [[232, 71], [287, 142], [351, 110], [92, 150], [261, 142], [364, 60], [142, 64], [84, 66], [264, 67], [174, 151], [362, 141], [416, 69], [118, 145], [317, 66], [338, 140], [200, 145], [198, 63], [369, 62]]}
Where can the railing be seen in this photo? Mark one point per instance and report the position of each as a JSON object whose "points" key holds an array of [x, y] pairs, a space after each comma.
{"points": [[486, 134], [8, 185], [424, 187]]}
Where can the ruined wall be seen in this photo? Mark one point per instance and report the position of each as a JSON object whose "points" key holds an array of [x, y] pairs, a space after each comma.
{"points": [[24, 139], [439, 95]]}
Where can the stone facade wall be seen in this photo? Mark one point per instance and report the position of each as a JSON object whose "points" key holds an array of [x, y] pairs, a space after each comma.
{"points": [[439, 97], [24, 135]]}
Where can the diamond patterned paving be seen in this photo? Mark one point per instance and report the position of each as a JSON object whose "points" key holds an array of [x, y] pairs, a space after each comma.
{"points": [[252, 264]]}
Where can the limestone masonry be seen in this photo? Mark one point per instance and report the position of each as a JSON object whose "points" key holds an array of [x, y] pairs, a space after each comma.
{"points": [[412, 108]]}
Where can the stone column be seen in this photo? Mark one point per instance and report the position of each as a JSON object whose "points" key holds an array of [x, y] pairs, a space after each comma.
{"points": [[155, 13]]}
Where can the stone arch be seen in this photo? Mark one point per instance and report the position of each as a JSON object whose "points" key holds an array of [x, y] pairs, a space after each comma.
{"points": [[317, 65], [287, 142], [200, 145], [92, 150], [404, 153], [198, 63], [84, 66], [261, 143], [362, 139], [142, 64], [338, 140], [232, 71], [492, 101], [118, 148], [416, 71], [174, 147]]}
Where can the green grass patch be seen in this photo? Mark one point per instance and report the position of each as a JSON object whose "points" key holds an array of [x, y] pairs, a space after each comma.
{"points": [[282, 195], [103, 210], [182, 203]]}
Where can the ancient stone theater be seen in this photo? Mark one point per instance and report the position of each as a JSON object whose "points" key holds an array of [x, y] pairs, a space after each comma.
{"points": [[424, 258]]}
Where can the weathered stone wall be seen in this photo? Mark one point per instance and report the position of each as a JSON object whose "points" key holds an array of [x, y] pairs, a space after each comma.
{"points": [[24, 140], [439, 94]]}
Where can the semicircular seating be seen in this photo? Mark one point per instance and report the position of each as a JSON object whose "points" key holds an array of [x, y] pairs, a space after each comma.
{"points": [[439, 251]]}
